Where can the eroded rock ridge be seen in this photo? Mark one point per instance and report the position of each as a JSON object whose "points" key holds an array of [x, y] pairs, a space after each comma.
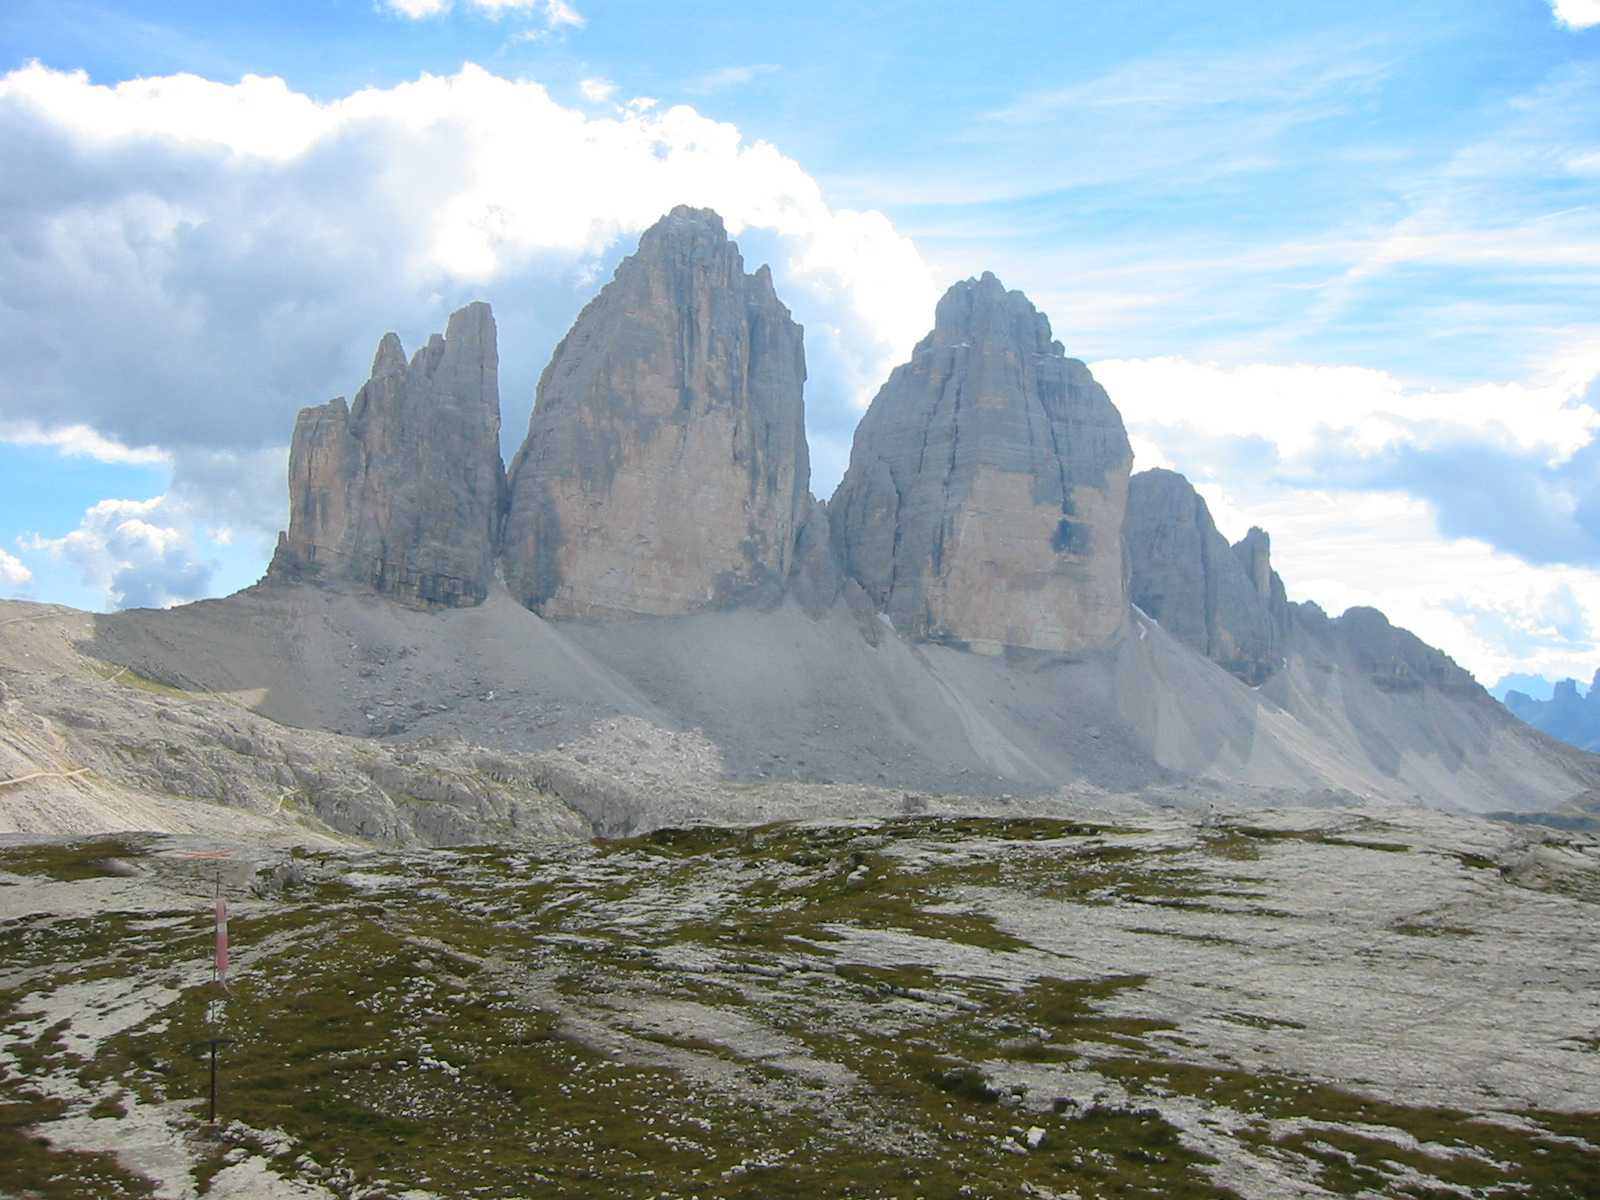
{"points": [[1225, 602]]}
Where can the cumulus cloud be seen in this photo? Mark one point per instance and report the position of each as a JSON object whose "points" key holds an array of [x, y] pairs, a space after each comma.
{"points": [[1515, 465], [597, 90], [137, 553], [190, 262], [13, 575], [1576, 14]]}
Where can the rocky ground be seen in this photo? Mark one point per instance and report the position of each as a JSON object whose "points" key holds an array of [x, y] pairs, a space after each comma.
{"points": [[1263, 1003]]}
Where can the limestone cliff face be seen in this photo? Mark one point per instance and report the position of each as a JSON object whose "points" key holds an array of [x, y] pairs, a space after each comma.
{"points": [[1225, 602], [666, 467], [402, 490], [986, 488]]}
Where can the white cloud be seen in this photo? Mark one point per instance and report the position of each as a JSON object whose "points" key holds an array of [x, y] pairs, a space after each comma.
{"points": [[271, 238], [79, 441], [1576, 14], [558, 13], [1298, 408], [417, 10], [13, 575], [137, 553], [597, 90]]}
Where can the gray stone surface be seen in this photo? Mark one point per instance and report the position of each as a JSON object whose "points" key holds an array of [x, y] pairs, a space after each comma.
{"points": [[815, 579], [1224, 602], [985, 494], [666, 467], [402, 490]]}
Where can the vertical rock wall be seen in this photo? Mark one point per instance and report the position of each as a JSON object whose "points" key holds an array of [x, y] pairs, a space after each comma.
{"points": [[985, 495], [1224, 601], [665, 468], [402, 490]]}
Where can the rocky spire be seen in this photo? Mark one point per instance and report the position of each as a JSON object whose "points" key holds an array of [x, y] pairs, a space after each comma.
{"points": [[1226, 602], [985, 494], [666, 467], [403, 489]]}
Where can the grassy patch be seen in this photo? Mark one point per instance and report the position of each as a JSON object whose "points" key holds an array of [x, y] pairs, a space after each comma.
{"points": [[68, 862], [1319, 837], [1413, 929], [128, 677], [1457, 1148]]}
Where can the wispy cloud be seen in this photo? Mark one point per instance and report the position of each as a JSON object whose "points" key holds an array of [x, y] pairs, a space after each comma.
{"points": [[1299, 81], [556, 14], [1576, 14], [80, 441], [726, 78], [597, 90]]}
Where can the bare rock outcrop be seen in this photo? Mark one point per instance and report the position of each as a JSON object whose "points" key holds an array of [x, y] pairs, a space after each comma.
{"points": [[402, 490], [1395, 659], [1254, 552], [1225, 602], [666, 467], [984, 500]]}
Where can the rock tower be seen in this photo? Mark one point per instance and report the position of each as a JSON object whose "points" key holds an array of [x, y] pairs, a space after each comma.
{"points": [[666, 467], [402, 490], [984, 499]]}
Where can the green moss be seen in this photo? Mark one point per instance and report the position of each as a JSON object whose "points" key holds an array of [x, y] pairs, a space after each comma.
{"points": [[68, 861], [108, 1107], [35, 1169], [128, 677], [1556, 1159], [1319, 837]]}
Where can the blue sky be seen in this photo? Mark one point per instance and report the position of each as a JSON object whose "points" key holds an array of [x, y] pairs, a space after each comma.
{"points": [[1339, 264]]}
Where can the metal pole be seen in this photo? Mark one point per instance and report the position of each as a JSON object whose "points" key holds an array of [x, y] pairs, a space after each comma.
{"points": [[212, 1120]]}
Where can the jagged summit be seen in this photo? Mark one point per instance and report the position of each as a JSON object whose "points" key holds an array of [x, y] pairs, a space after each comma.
{"points": [[985, 494], [402, 489], [982, 309], [1224, 602], [666, 467]]}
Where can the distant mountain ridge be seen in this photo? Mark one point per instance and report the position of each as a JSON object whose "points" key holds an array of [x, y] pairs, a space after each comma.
{"points": [[1573, 718]]}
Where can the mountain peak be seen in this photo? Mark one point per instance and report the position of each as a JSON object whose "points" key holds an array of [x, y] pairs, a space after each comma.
{"points": [[983, 310]]}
